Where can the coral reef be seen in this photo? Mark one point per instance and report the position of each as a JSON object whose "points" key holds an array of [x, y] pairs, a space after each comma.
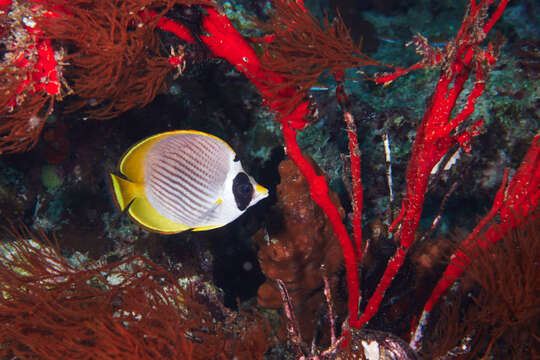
{"points": [[293, 246], [439, 137]]}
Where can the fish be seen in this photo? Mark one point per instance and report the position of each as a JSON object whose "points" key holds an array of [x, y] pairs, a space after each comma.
{"points": [[183, 180]]}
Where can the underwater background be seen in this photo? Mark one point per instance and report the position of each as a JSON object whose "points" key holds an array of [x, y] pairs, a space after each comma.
{"points": [[59, 191]]}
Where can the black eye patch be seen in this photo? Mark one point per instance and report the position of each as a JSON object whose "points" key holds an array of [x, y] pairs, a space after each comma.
{"points": [[242, 191]]}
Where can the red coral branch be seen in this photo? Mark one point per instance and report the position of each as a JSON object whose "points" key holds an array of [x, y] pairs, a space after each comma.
{"points": [[434, 135], [513, 204], [319, 193], [355, 165]]}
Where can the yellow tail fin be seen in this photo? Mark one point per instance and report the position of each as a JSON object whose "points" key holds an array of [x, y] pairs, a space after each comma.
{"points": [[124, 191]]}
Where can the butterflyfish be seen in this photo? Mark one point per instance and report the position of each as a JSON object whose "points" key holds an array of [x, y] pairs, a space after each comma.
{"points": [[183, 180]]}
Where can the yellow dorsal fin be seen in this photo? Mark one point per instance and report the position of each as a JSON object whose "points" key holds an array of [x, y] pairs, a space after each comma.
{"points": [[132, 163]]}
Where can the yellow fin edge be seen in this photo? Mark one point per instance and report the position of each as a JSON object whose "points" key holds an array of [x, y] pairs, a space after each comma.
{"points": [[209, 227], [124, 191], [130, 195], [144, 214]]}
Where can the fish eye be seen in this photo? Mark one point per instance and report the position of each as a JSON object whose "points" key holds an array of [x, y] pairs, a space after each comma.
{"points": [[242, 190]]}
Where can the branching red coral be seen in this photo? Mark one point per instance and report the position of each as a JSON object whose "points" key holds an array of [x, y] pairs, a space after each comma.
{"points": [[437, 133], [512, 204], [30, 79]]}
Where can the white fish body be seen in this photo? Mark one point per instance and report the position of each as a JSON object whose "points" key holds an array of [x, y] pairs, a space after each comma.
{"points": [[184, 180]]}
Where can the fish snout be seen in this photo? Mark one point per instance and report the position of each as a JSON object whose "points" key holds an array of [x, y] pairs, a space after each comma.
{"points": [[260, 191]]}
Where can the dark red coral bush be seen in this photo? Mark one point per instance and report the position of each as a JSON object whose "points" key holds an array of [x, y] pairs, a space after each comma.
{"points": [[132, 309]]}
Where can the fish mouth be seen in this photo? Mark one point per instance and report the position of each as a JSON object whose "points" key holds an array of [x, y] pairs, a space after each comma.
{"points": [[260, 191]]}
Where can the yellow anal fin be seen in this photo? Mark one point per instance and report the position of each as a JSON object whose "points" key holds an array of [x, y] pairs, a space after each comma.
{"points": [[144, 214], [209, 227]]}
